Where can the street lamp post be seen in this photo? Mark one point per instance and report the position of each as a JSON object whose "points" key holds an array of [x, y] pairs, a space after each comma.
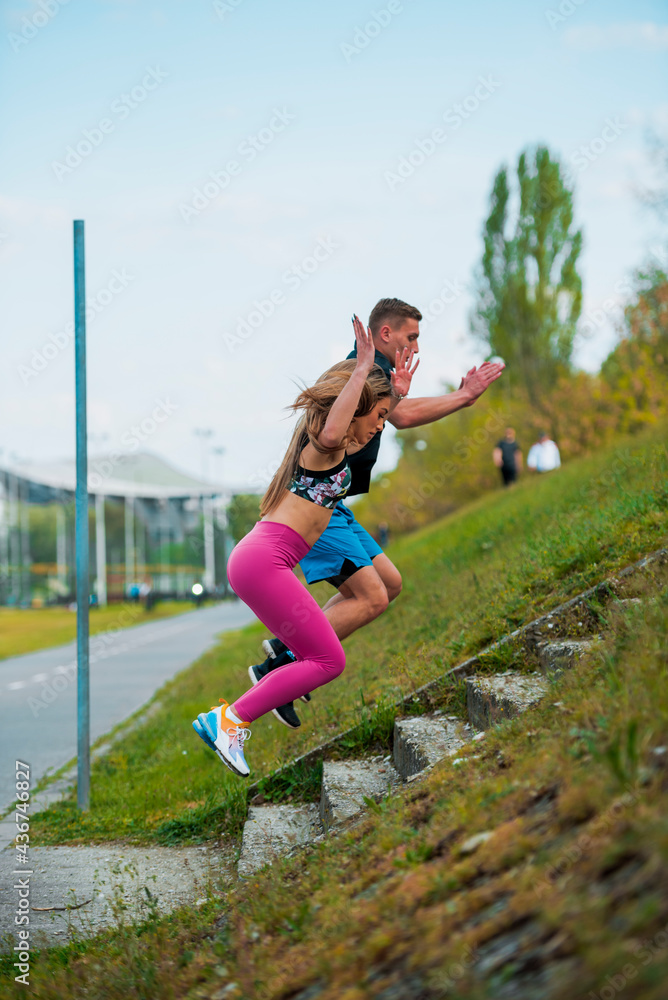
{"points": [[204, 434], [219, 451]]}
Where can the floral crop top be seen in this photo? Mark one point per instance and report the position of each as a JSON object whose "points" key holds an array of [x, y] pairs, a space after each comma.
{"points": [[324, 488]]}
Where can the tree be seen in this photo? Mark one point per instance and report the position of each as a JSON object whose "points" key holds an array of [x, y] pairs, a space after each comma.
{"points": [[654, 194], [637, 370], [242, 513], [528, 290]]}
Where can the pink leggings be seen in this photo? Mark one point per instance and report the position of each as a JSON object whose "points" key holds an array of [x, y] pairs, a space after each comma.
{"points": [[260, 571]]}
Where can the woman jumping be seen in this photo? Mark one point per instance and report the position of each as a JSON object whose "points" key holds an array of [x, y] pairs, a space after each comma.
{"points": [[341, 413]]}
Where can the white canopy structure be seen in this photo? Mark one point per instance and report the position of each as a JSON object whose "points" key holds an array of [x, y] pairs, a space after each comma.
{"points": [[139, 474]]}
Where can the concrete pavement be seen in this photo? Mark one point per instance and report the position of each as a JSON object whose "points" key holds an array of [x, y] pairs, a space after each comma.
{"points": [[38, 723]]}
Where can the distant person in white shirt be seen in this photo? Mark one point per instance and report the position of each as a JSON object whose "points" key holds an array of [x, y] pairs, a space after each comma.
{"points": [[544, 455]]}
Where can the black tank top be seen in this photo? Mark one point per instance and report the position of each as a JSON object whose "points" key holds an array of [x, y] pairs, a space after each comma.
{"points": [[363, 461]]}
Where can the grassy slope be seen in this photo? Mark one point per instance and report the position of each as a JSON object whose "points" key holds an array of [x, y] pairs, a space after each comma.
{"points": [[569, 894], [573, 881], [26, 630], [468, 579]]}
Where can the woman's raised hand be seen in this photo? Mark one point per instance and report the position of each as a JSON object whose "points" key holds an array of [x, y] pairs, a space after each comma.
{"points": [[366, 351], [403, 373]]}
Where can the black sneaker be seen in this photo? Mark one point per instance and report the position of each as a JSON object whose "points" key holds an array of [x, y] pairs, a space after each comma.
{"points": [[287, 715], [273, 648], [284, 713], [280, 661], [259, 670]]}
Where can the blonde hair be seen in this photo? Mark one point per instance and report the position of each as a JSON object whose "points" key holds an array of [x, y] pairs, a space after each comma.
{"points": [[316, 402]]}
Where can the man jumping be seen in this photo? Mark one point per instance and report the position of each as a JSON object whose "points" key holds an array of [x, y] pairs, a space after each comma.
{"points": [[346, 555]]}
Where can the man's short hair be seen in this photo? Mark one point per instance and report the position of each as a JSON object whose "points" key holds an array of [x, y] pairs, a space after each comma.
{"points": [[389, 311]]}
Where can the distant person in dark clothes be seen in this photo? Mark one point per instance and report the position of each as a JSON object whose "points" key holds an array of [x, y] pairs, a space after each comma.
{"points": [[383, 534], [507, 456]]}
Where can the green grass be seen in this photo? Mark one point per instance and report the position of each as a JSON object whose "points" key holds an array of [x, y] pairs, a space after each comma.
{"points": [[573, 797], [468, 579], [29, 629], [566, 895]]}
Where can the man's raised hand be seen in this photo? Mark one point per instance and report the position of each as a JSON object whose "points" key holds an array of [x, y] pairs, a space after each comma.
{"points": [[477, 380], [366, 351], [403, 373]]}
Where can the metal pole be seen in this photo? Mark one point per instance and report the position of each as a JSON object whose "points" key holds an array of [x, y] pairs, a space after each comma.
{"points": [[140, 540], [4, 539], [100, 550], [81, 515], [61, 544], [165, 538], [14, 539], [209, 551], [221, 521], [129, 544], [26, 561]]}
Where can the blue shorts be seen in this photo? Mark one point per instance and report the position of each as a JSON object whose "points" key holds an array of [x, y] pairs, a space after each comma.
{"points": [[343, 548]]}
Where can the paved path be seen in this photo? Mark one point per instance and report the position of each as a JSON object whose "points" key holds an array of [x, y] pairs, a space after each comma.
{"points": [[38, 723]]}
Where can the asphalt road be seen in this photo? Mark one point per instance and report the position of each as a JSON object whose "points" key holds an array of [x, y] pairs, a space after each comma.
{"points": [[38, 723]]}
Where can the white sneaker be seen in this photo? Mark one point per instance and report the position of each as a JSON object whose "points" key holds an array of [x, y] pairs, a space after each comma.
{"points": [[227, 737]]}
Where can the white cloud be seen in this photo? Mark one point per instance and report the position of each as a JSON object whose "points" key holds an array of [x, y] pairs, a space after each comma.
{"points": [[28, 210], [654, 118], [615, 189], [633, 35]]}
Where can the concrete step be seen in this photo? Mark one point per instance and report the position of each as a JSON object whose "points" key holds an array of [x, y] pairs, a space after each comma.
{"points": [[345, 784], [107, 882], [492, 699], [562, 654], [424, 740], [271, 831], [622, 608]]}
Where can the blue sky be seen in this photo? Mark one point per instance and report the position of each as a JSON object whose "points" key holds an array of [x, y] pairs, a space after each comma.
{"points": [[316, 106]]}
